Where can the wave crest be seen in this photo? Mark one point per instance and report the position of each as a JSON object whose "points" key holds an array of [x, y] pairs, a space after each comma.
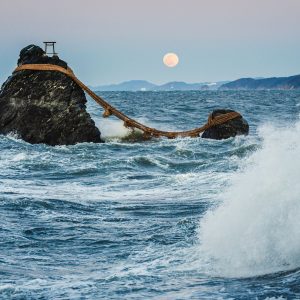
{"points": [[256, 228]]}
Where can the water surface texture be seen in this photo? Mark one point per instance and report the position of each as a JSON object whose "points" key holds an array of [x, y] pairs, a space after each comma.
{"points": [[163, 219]]}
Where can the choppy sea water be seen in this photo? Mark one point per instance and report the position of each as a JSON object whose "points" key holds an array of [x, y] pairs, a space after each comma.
{"points": [[163, 219]]}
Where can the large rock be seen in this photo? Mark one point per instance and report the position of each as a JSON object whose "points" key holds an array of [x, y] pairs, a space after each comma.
{"points": [[45, 106], [237, 126]]}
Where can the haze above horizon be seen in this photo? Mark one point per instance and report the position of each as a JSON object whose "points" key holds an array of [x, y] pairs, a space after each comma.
{"points": [[110, 41]]}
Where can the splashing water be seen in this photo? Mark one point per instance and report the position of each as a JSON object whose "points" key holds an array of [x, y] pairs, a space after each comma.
{"points": [[256, 228], [112, 129]]}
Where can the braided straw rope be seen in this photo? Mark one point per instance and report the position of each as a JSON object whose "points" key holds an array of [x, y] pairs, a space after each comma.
{"points": [[128, 122]]}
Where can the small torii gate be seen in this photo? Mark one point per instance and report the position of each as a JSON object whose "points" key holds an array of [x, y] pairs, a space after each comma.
{"points": [[50, 44]]}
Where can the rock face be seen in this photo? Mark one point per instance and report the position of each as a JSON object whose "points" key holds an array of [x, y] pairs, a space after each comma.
{"points": [[237, 126], [45, 106]]}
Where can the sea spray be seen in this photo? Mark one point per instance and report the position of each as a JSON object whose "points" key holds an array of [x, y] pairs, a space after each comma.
{"points": [[113, 129], [256, 228]]}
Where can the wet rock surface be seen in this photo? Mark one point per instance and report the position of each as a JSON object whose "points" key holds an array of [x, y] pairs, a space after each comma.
{"points": [[45, 106], [232, 128]]}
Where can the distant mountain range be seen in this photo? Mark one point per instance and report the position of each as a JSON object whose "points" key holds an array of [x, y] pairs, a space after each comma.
{"points": [[274, 83], [142, 85]]}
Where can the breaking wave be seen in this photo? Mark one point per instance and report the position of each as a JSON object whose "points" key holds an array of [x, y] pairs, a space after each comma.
{"points": [[255, 229]]}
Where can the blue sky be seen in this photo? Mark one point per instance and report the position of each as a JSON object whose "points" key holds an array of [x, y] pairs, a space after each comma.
{"points": [[109, 41]]}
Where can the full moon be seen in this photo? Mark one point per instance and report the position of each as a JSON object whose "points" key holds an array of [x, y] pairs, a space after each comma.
{"points": [[171, 60]]}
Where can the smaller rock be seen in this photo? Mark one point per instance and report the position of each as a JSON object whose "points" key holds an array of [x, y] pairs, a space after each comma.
{"points": [[232, 128]]}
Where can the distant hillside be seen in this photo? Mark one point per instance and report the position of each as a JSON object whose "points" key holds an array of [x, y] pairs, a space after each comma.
{"points": [[133, 85], [179, 85], [275, 83], [142, 85]]}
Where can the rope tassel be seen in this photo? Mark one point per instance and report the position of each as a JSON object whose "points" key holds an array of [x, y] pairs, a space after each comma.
{"points": [[107, 113], [127, 124]]}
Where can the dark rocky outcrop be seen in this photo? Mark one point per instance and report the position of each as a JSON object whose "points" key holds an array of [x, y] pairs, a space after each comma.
{"points": [[45, 106], [237, 126]]}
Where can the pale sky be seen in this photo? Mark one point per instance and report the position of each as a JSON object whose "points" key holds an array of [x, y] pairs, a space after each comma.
{"points": [[109, 41]]}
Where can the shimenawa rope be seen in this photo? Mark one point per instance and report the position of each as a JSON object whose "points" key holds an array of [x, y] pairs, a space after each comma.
{"points": [[128, 122]]}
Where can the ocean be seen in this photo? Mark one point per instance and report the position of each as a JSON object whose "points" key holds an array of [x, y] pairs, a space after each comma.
{"points": [[161, 219]]}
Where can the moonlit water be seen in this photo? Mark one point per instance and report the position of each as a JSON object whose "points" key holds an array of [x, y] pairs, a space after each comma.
{"points": [[163, 219]]}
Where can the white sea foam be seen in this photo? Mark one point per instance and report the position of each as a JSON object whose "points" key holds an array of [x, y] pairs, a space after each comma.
{"points": [[112, 128], [19, 157], [256, 229]]}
